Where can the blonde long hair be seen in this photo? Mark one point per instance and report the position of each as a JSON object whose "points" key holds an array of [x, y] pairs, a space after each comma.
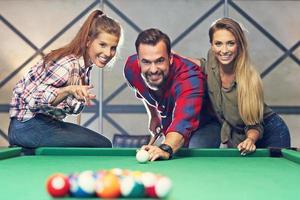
{"points": [[249, 84]]}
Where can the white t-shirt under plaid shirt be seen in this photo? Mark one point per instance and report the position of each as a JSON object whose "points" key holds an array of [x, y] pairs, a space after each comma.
{"points": [[39, 86]]}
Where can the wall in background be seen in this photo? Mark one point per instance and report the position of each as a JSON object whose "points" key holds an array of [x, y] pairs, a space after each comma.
{"points": [[30, 29]]}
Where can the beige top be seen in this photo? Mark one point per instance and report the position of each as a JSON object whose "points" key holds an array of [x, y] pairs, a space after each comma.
{"points": [[224, 102]]}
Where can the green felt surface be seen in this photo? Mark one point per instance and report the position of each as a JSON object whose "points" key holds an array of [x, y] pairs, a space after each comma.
{"points": [[196, 174]]}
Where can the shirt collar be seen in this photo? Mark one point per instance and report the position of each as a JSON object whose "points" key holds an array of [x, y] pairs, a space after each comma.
{"points": [[212, 59], [83, 68], [81, 62]]}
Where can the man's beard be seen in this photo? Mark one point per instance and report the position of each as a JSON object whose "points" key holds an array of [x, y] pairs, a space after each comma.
{"points": [[153, 86]]}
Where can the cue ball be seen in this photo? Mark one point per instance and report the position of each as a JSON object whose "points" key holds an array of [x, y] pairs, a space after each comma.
{"points": [[142, 156]]}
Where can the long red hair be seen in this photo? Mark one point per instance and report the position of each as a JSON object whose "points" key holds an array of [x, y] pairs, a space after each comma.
{"points": [[96, 23]]}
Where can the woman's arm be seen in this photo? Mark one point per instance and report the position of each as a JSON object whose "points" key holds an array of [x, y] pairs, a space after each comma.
{"points": [[80, 92], [248, 145]]}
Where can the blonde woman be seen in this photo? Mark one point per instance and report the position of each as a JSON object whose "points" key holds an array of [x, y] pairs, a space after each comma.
{"points": [[236, 91]]}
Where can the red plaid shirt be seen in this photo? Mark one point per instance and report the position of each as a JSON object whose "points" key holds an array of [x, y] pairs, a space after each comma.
{"points": [[182, 98], [39, 86]]}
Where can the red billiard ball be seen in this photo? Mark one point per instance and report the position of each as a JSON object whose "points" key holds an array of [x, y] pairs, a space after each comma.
{"points": [[58, 185], [149, 180]]}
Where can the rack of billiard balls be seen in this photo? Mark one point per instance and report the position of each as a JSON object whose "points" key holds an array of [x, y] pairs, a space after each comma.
{"points": [[114, 183]]}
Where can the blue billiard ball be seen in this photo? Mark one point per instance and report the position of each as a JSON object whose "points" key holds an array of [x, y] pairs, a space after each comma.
{"points": [[82, 184]]}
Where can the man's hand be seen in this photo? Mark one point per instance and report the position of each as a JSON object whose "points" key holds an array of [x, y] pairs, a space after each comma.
{"points": [[173, 139], [155, 152], [154, 122]]}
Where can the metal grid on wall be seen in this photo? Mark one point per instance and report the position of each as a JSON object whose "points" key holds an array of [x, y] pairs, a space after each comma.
{"points": [[104, 109]]}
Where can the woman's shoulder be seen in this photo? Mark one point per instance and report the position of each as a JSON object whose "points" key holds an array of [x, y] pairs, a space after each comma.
{"points": [[210, 62], [68, 62], [210, 58], [64, 65], [68, 59]]}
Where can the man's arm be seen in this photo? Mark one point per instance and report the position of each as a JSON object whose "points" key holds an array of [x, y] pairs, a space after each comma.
{"points": [[173, 139], [197, 61]]}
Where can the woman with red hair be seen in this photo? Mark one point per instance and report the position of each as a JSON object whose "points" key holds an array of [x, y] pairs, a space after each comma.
{"points": [[59, 85]]}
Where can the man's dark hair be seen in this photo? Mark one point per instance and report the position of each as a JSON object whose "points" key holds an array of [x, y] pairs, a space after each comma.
{"points": [[152, 36]]}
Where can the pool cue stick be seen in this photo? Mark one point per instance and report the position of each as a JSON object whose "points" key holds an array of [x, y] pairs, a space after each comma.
{"points": [[78, 119], [158, 133]]}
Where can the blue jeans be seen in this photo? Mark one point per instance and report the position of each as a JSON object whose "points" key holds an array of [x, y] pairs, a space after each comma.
{"points": [[44, 131], [207, 136], [276, 133]]}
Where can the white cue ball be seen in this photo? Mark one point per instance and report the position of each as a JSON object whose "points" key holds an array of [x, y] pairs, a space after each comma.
{"points": [[142, 156]]}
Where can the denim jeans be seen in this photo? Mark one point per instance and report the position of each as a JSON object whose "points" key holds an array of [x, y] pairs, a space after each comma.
{"points": [[44, 131], [276, 133], [207, 136]]}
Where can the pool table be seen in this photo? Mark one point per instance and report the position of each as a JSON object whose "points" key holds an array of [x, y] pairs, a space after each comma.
{"points": [[195, 173]]}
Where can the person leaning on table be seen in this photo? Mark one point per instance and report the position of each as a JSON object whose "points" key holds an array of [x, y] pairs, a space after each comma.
{"points": [[236, 92]]}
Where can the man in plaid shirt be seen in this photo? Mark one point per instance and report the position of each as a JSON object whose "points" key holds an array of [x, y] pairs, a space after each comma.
{"points": [[173, 91]]}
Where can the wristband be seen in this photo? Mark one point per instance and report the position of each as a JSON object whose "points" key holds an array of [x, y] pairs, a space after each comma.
{"points": [[167, 148]]}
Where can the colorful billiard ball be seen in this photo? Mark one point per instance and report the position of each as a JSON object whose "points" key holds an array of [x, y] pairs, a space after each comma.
{"points": [[163, 187], [83, 184], [136, 174], [149, 180], [131, 187], [73, 179], [58, 185], [142, 156], [108, 186], [117, 171]]}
